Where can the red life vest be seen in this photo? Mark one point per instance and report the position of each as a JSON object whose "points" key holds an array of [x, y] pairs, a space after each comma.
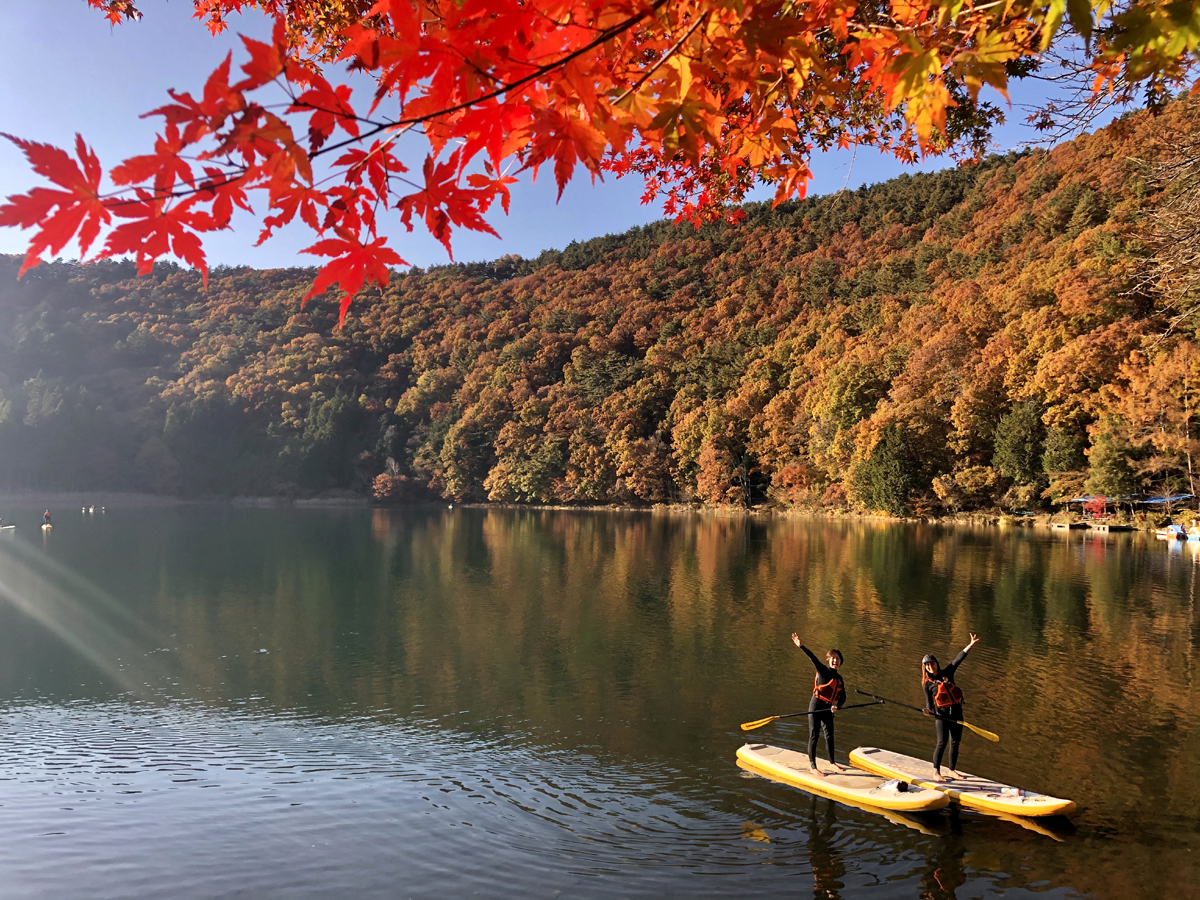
{"points": [[829, 691], [946, 693]]}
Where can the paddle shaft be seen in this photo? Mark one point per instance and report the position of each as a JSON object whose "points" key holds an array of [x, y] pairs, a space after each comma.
{"points": [[982, 732], [759, 723], [809, 712]]}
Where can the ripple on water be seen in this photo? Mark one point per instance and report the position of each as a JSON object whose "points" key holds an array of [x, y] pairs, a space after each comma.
{"points": [[188, 802]]}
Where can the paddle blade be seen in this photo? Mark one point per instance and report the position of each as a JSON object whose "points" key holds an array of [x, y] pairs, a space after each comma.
{"points": [[984, 733], [758, 723]]}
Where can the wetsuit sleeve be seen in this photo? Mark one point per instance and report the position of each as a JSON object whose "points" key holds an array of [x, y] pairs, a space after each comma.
{"points": [[951, 669], [841, 697], [822, 669], [929, 695]]}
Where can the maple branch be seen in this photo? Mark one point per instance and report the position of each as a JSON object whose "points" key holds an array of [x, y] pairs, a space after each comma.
{"points": [[633, 89], [504, 88], [337, 113]]}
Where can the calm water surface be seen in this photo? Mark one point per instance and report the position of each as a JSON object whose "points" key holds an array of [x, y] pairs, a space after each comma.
{"points": [[214, 702]]}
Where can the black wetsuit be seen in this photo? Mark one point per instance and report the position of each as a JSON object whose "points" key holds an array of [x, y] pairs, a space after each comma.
{"points": [[820, 715], [951, 730]]}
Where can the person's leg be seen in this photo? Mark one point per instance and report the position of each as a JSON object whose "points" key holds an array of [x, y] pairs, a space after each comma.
{"points": [[940, 725], [956, 730], [827, 726], [813, 725]]}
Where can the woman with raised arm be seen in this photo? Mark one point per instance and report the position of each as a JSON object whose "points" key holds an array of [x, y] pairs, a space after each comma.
{"points": [[829, 692], [943, 699]]}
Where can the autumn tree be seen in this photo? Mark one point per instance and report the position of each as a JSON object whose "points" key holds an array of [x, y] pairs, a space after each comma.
{"points": [[1152, 407], [886, 479], [1172, 232], [1109, 471], [705, 98], [1019, 438]]}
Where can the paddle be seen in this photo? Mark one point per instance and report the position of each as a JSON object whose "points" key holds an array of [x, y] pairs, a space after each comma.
{"points": [[759, 723], [982, 732]]}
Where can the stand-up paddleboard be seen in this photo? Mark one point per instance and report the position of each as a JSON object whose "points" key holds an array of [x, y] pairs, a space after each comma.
{"points": [[970, 791], [853, 785], [47, 527], [931, 824], [7, 527]]}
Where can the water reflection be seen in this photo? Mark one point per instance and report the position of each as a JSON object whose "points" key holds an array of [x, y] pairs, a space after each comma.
{"points": [[944, 873], [826, 859], [624, 648]]}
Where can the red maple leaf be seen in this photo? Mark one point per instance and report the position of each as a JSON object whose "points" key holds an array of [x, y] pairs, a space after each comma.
{"points": [[296, 197], [225, 192], [58, 215], [116, 10], [159, 229], [377, 164], [330, 106], [267, 61], [164, 165], [444, 200], [353, 264]]}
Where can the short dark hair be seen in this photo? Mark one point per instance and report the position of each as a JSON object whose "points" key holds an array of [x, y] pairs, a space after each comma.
{"points": [[833, 650]]}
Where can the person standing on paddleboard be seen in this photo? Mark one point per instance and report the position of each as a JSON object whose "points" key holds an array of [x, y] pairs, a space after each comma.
{"points": [[944, 700], [829, 692]]}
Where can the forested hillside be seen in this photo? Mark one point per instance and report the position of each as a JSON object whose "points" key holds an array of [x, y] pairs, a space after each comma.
{"points": [[950, 340]]}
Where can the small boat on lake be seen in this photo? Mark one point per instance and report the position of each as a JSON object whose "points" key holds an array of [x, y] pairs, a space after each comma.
{"points": [[1173, 533]]}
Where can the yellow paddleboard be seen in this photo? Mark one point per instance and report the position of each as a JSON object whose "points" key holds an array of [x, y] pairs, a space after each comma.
{"points": [[852, 786], [970, 791], [47, 527], [933, 825]]}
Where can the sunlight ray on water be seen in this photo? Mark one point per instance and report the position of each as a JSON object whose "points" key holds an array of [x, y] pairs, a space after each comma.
{"points": [[80, 615]]}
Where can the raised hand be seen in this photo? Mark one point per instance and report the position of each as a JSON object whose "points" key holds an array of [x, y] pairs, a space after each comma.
{"points": [[974, 641], [795, 639]]}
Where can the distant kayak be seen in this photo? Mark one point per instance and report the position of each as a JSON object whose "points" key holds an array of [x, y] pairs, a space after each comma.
{"points": [[7, 527], [853, 785], [970, 791]]}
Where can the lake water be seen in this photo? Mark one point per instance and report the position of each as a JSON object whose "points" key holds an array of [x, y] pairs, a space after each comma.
{"points": [[211, 702]]}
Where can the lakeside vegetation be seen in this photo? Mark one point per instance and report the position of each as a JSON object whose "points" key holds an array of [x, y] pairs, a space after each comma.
{"points": [[969, 338]]}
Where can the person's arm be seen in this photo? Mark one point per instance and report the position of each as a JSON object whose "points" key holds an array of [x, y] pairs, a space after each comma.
{"points": [[929, 698], [817, 664], [962, 654]]}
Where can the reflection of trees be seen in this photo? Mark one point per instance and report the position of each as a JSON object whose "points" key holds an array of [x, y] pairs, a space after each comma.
{"points": [[944, 872], [649, 636], [619, 620], [827, 865]]}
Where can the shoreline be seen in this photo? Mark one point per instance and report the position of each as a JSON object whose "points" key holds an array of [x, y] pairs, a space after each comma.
{"points": [[993, 518], [132, 500]]}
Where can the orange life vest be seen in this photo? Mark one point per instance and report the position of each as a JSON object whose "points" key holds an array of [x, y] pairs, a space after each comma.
{"points": [[946, 693], [827, 692]]}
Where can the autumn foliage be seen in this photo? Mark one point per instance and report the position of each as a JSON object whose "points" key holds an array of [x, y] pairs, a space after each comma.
{"points": [[941, 341], [704, 98]]}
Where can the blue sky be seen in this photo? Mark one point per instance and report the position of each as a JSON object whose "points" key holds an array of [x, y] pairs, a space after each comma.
{"points": [[64, 70]]}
